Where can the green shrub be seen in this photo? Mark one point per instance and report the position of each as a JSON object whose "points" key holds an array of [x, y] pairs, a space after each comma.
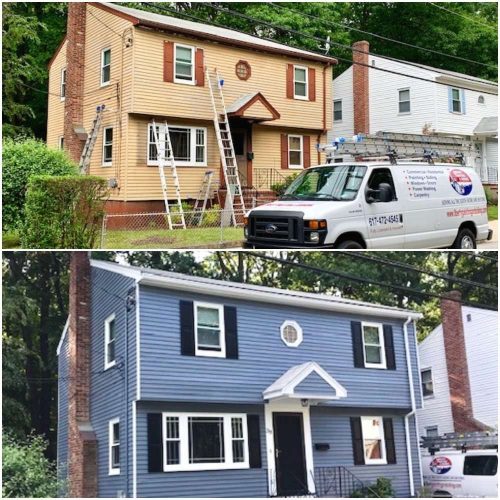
{"points": [[280, 187], [381, 489], [11, 239], [63, 212], [25, 470], [22, 159], [491, 196]]}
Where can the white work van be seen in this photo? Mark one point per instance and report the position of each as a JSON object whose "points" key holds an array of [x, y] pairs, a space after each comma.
{"points": [[374, 205], [472, 473]]}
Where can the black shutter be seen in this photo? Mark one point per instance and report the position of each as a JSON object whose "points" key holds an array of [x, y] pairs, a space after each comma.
{"points": [[187, 327], [155, 444], [390, 448], [231, 326], [357, 441], [357, 344], [255, 459], [389, 348]]}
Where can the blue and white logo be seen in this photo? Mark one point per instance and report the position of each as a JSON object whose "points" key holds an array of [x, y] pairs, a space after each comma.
{"points": [[460, 182]]}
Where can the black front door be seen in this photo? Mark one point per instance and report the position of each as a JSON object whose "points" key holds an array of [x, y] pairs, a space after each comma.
{"points": [[291, 477]]}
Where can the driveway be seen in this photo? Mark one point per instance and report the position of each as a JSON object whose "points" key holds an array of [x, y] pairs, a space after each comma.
{"points": [[493, 243]]}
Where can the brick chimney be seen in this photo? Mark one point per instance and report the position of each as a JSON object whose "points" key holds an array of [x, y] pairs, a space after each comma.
{"points": [[82, 443], [456, 361], [360, 87], [75, 57]]}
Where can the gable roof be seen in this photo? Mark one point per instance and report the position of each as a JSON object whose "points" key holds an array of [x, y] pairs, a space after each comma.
{"points": [[487, 126], [208, 32], [255, 293], [243, 105]]}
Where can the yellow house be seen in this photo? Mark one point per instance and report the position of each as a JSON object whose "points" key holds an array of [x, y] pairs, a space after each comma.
{"points": [[143, 67]]}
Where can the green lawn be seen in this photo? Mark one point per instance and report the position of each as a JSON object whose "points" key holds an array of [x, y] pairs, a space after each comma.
{"points": [[210, 237], [492, 212], [10, 240]]}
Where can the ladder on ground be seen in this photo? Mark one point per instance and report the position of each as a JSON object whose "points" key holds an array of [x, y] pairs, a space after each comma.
{"points": [[235, 204], [161, 136], [398, 146], [91, 140], [200, 204]]}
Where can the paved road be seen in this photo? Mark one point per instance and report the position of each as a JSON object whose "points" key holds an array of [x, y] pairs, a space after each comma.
{"points": [[493, 243]]}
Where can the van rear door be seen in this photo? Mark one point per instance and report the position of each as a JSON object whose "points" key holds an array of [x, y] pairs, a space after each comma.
{"points": [[480, 475]]}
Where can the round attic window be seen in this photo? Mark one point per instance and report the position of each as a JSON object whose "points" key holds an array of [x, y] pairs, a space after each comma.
{"points": [[480, 99], [243, 70], [291, 333]]}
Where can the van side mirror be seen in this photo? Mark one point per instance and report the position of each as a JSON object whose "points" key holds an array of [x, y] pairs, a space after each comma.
{"points": [[383, 194]]}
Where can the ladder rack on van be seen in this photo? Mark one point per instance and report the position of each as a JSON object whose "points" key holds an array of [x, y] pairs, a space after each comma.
{"points": [[396, 146], [461, 441]]}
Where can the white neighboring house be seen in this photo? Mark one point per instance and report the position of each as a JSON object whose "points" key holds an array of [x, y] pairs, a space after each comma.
{"points": [[368, 101], [459, 372]]}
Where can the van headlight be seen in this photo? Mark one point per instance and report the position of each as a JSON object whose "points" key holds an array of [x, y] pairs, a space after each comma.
{"points": [[314, 237]]}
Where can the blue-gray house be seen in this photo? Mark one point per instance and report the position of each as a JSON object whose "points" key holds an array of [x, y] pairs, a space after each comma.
{"points": [[172, 385]]}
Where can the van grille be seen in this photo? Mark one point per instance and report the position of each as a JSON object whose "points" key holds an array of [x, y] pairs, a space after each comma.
{"points": [[276, 228]]}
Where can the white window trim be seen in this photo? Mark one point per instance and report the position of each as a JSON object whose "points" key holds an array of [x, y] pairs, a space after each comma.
{"points": [[400, 101], [290, 165], [113, 471], [193, 53], [422, 370], [375, 461], [461, 112], [300, 97], [192, 150], [105, 84], [300, 335], [341, 110], [63, 83], [184, 464], [107, 163], [222, 326], [107, 321], [383, 363], [60, 142]]}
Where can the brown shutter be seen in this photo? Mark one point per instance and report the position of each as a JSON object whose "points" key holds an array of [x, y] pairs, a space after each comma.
{"points": [[199, 68], [306, 144], [168, 62], [284, 151], [312, 84], [289, 81]]}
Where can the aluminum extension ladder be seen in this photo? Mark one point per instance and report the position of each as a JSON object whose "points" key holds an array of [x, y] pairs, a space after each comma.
{"points": [[91, 140], [165, 157], [234, 205], [200, 204]]}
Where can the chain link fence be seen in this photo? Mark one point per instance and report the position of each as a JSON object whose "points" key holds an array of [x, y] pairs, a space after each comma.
{"points": [[211, 229]]}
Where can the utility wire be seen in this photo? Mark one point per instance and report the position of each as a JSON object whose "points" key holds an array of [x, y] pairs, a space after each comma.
{"points": [[339, 274], [46, 92], [276, 27], [462, 16], [333, 23], [411, 267]]}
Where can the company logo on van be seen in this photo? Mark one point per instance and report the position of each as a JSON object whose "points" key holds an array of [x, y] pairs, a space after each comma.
{"points": [[460, 182], [440, 465]]}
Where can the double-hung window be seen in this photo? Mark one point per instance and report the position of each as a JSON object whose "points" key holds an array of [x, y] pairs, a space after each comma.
{"points": [[189, 145], [372, 429], [199, 441], [295, 151], [404, 100], [373, 345], [63, 84], [209, 330], [105, 67], [114, 446], [110, 342], [427, 383], [184, 64], [456, 101], [337, 110], [300, 83], [107, 146]]}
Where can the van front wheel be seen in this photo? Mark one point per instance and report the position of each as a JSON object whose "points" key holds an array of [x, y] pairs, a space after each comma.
{"points": [[465, 240], [349, 244]]}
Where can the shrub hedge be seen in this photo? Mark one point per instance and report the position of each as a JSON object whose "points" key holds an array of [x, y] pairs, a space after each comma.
{"points": [[21, 160], [63, 212]]}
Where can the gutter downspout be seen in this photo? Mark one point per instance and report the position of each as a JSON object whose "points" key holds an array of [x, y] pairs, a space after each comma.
{"points": [[324, 130], [413, 407]]}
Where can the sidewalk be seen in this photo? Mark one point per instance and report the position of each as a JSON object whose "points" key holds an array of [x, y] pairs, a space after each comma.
{"points": [[493, 243]]}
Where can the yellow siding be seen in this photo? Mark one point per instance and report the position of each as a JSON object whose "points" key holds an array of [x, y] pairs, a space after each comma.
{"points": [[55, 119], [188, 101]]}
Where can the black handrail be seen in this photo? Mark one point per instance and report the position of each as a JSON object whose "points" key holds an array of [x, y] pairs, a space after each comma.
{"points": [[338, 482]]}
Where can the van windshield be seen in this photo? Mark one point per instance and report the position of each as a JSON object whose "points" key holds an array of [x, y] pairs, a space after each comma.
{"points": [[332, 183]]}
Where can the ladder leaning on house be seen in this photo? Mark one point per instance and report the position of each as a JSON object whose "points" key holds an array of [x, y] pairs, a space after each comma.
{"points": [[165, 157], [234, 196], [91, 140], [200, 204]]}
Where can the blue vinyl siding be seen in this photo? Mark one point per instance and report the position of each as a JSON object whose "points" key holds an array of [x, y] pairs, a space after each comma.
{"points": [[263, 356], [62, 418], [108, 397], [314, 384]]}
